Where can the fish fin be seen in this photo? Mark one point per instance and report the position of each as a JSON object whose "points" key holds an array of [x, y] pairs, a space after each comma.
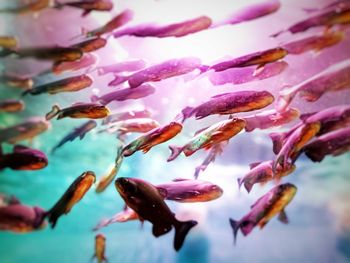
{"points": [[94, 98], [200, 130], [220, 95], [248, 186], [283, 217], [198, 169], [118, 80], [249, 125], [253, 165], [239, 181], [277, 34], [19, 148], [262, 224], [40, 216], [277, 139], [160, 230], [187, 113], [203, 68], [53, 113], [305, 116], [286, 95], [52, 218], [163, 192], [81, 136], [181, 230], [235, 226], [175, 152], [26, 92], [85, 13], [260, 68], [180, 179]]}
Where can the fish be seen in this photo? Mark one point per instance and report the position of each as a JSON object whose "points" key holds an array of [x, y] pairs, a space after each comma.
{"points": [[259, 59], [118, 21], [23, 158], [334, 78], [229, 103], [270, 118], [315, 43], [339, 5], [205, 139], [238, 76], [8, 42], [79, 110], [91, 44], [72, 196], [70, 84], [329, 18], [11, 105], [145, 200], [295, 142], [126, 115], [214, 151], [85, 62], [152, 138], [262, 172], [80, 132], [55, 54], [6, 200], [180, 29], [266, 207], [332, 143], [331, 118], [140, 125], [164, 70], [189, 190], [25, 130], [87, 5], [32, 7], [20, 218], [106, 180], [124, 66], [125, 94], [121, 217], [251, 12], [100, 247], [16, 81]]}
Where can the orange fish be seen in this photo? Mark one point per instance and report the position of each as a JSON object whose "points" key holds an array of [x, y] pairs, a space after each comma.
{"points": [[100, 247]]}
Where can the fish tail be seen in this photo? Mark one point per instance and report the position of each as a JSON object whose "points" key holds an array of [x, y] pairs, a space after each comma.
{"points": [[53, 113], [118, 80], [52, 218], [203, 68], [248, 186], [240, 181], [94, 98], [286, 95], [186, 113], [181, 231], [277, 34], [235, 226], [277, 139], [197, 171], [175, 152], [26, 92]]}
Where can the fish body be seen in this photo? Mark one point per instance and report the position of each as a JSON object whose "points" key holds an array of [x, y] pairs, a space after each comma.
{"points": [[145, 200], [80, 132], [333, 143], [172, 30], [73, 195], [140, 125], [295, 143], [20, 218], [8, 42], [229, 103], [124, 66], [86, 61], [334, 78], [79, 110], [56, 54], [100, 247], [270, 118], [6, 200], [88, 5], [259, 58], [116, 22], [23, 158], [121, 217], [106, 180], [316, 43], [219, 132], [33, 7], [190, 191], [262, 173], [90, 45], [167, 69], [70, 84], [26, 130], [127, 115], [152, 138], [266, 207], [125, 94], [11, 105]]}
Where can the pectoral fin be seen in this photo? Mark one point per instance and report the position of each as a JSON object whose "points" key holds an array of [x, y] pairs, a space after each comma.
{"points": [[283, 217]]}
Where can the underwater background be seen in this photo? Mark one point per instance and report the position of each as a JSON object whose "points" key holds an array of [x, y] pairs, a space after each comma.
{"points": [[319, 215]]}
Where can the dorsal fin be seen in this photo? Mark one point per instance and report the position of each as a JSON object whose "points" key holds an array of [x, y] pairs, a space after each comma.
{"points": [[163, 192], [19, 148], [220, 95], [180, 179], [253, 165]]}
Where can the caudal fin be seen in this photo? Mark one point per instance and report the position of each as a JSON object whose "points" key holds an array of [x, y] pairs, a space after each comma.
{"points": [[181, 231], [53, 113], [26, 92], [175, 152], [277, 141], [235, 226], [186, 113], [286, 95], [118, 80]]}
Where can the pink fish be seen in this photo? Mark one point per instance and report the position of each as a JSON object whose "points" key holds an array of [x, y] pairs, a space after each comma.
{"points": [[87, 5], [125, 66], [85, 62], [11, 105], [127, 115]]}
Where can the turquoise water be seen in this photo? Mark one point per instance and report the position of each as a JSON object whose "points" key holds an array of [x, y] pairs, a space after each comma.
{"points": [[319, 228]]}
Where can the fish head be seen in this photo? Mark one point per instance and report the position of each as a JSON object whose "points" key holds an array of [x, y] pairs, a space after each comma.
{"points": [[126, 187], [173, 128], [89, 177], [286, 191], [213, 191], [100, 237], [70, 54]]}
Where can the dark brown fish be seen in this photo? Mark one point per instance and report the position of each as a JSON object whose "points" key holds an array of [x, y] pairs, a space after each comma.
{"points": [[32, 7], [16, 81], [79, 110], [87, 5], [11, 105], [145, 200], [100, 247], [90, 45], [73, 195], [8, 42]]}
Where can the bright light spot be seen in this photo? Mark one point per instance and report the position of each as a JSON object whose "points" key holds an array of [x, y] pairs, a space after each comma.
{"points": [[165, 101]]}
